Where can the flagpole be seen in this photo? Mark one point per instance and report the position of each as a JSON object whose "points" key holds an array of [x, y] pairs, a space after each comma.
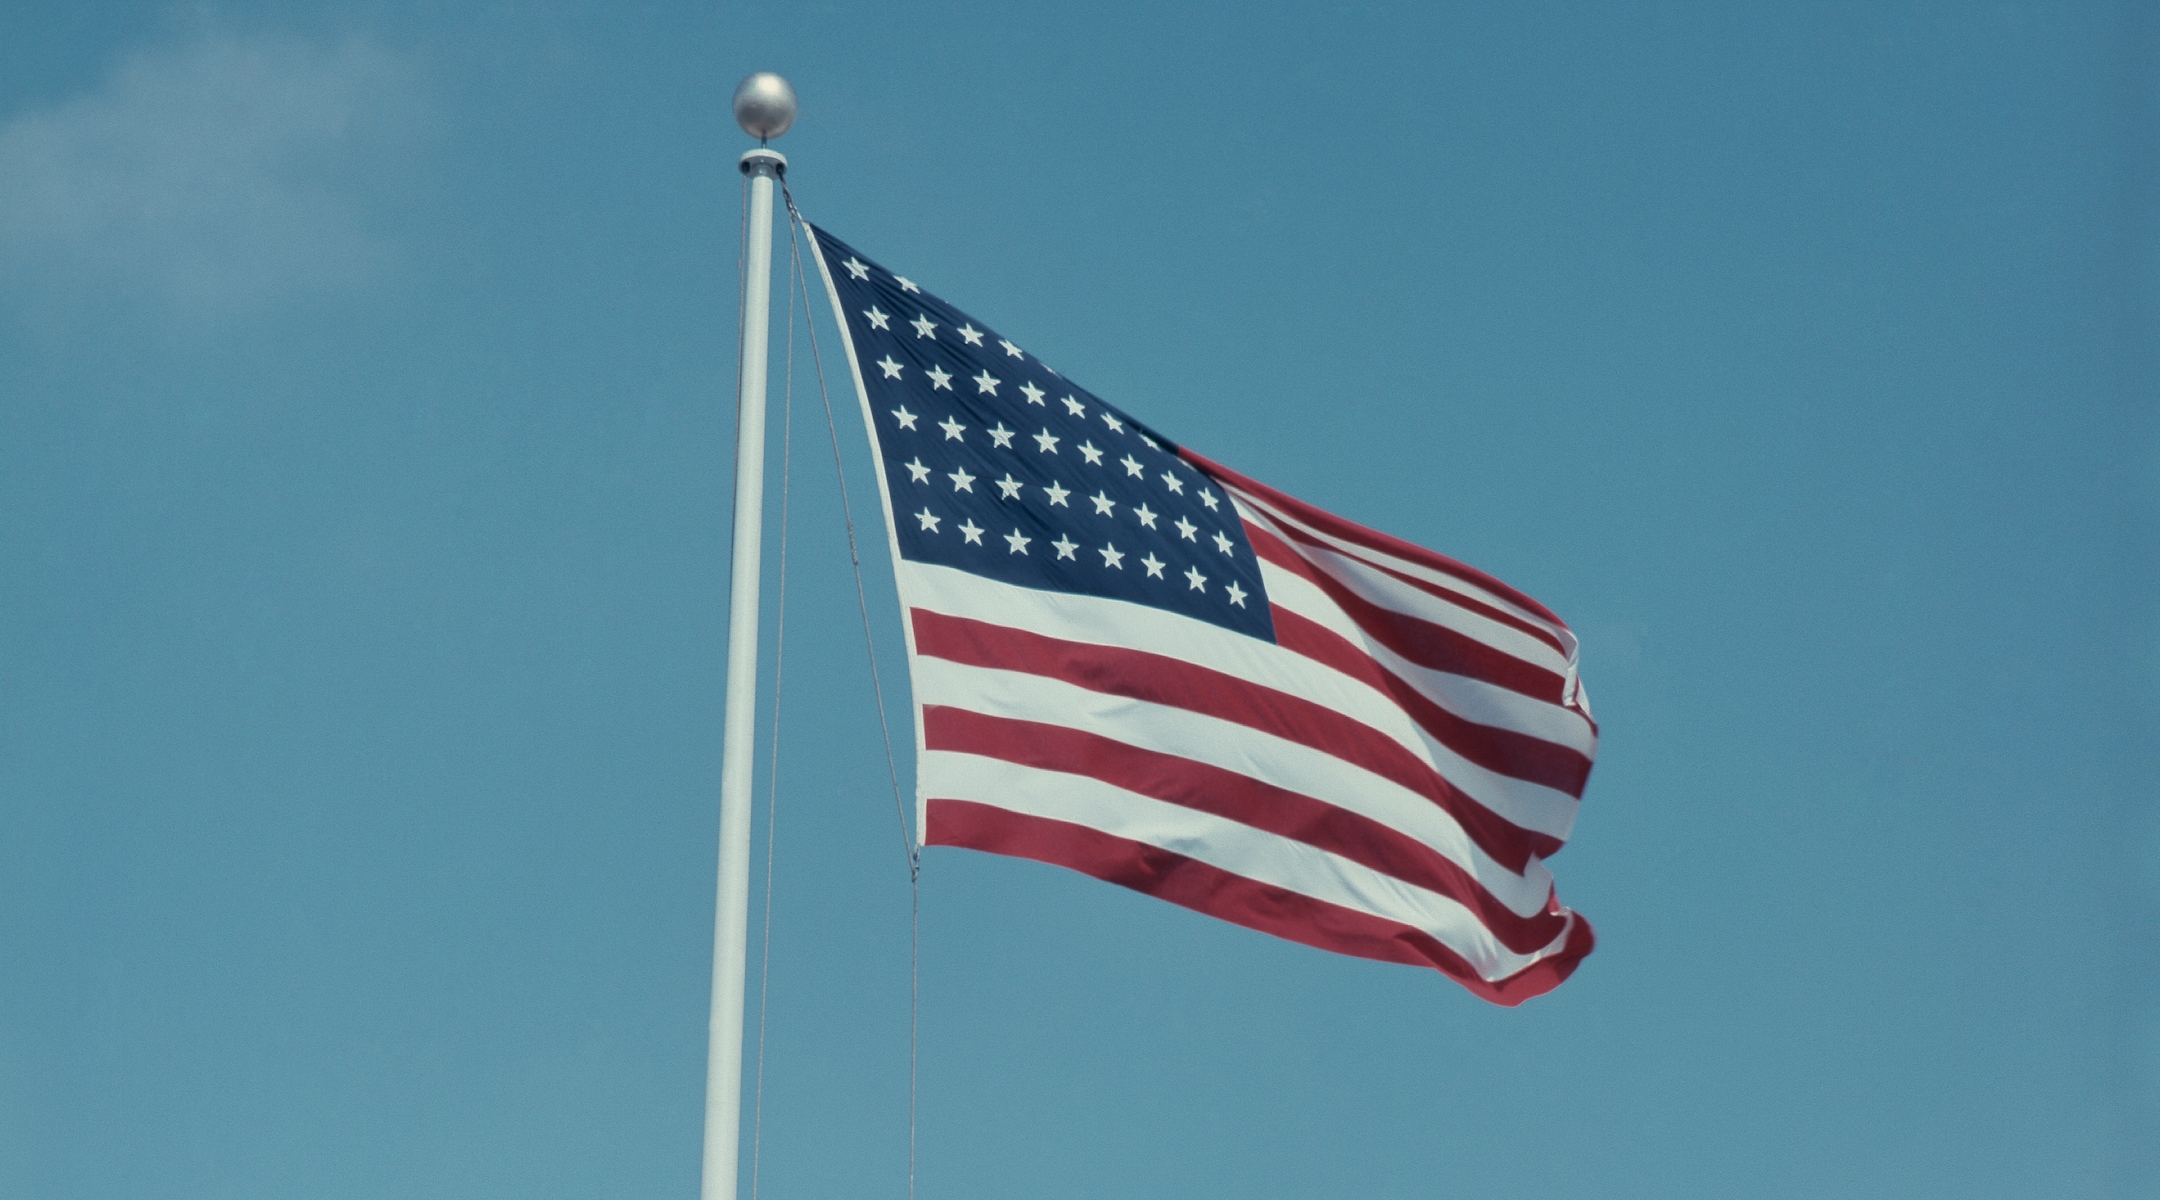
{"points": [[765, 108]]}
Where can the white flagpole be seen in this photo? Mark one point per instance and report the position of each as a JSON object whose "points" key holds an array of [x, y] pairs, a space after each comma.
{"points": [[765, 108]]}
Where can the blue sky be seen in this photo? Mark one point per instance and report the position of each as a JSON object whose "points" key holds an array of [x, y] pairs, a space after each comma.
{"points": [[365, 411]]}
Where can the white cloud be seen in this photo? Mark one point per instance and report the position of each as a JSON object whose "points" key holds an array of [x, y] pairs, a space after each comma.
{"points": [[222, 175]]}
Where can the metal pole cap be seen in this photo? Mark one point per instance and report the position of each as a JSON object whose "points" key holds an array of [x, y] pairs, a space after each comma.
{"points": [[765, 105]]}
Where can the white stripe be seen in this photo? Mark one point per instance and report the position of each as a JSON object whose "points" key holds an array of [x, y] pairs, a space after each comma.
{"points": [[1471, 699], [1238, 849], [1440, 579], [1379, 588], [1118, 623], [1020, 696], [1386, 591]]}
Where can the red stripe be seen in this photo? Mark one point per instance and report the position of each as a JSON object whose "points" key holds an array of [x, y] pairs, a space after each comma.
{"points": [[1159, 679], [1154, 871], [1426, 643], [1446, 596], [1203, 787], [1371, 539], [1507, 751]]}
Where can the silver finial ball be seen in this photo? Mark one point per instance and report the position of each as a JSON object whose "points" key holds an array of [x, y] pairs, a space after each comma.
{"points": [[764, 105]]}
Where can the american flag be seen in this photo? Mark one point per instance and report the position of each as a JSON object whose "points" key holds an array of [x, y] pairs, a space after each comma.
{"points": [[1138, 664]]}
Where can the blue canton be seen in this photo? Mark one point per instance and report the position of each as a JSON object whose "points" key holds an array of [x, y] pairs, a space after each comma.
{"points": [[999, 466]]}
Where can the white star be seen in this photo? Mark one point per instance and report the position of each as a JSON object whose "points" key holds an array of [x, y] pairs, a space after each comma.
{"points": [[905, 285], [983, 383], [1146, 518], [1018, 543], [1094, 456], [1116, 426], [1046, 441], [1057, 493], [1033, 393], [924, 326], [1173, 483], [1199, 581], [1066, 546], [917, 473], [856, 268], [972, 532], [928, 522], [1132, 466], [906, 418], [892, 369], [1186, 529], [972, 334], [1208, 498], [1224, 544], [1008, 487], [1103, 503], [878, 320], [1075, 407], [952, 429], [1150, 442], [1154, 566], [961, 480], [940, 378], [1002, 436], [1237, 595], [1011, 349], [1112, 556]]}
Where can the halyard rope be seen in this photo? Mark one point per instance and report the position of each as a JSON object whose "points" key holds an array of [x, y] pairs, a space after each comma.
{"points": [[877, 686]]}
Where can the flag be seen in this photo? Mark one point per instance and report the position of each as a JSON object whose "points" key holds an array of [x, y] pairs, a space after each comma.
{"points": [[1136, 663]]}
